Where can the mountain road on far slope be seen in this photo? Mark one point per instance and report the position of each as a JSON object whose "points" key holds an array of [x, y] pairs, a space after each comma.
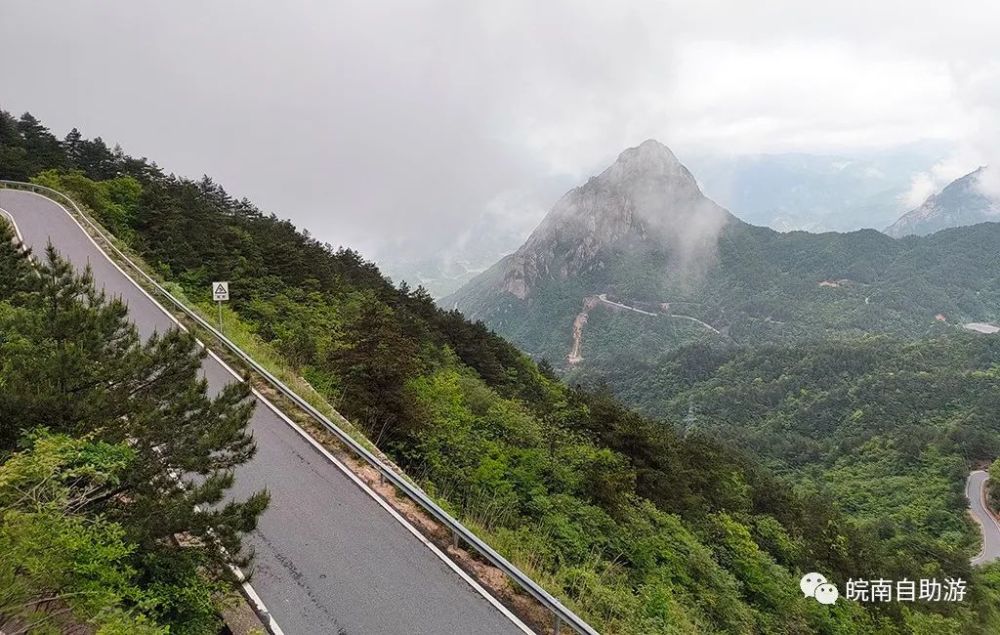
{"points": [[975, 491], [329, 557]]}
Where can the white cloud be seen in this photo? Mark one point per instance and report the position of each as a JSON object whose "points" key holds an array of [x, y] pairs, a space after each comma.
{"points": [[976, 93], [979, 93], [924, 184], [382, 123]]}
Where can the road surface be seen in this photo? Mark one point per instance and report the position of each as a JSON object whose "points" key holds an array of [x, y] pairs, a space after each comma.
{"points": [[329, 557], [975, 491]]}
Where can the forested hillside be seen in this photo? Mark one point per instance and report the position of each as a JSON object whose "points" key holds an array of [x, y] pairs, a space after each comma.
{"points": [[640, 528], [888, 428], [764, 286]]}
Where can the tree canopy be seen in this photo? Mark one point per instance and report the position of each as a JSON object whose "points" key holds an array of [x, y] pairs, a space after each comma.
{"points": [[110, 453]]}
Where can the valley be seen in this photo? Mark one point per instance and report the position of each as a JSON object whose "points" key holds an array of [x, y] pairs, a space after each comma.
{"points": [[793, 402]]}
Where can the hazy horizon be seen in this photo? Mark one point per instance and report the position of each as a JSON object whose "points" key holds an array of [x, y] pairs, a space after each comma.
{"points": [[393, 129]]}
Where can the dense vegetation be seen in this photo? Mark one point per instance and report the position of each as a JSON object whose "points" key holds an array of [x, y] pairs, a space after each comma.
{"points": [[642, 529], [95, 528], [886, 427]]}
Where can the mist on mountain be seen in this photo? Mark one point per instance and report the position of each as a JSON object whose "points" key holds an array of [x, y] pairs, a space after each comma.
{"points": [[786, 192], [645, 201], [965, 201], [816, 192]]}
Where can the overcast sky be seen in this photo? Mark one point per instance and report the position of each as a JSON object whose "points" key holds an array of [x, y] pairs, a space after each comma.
{"points": [[392, 125]]}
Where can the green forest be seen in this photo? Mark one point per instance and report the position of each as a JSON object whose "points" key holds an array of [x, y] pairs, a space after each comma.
{"points": [[638, 522], [886, 427]]}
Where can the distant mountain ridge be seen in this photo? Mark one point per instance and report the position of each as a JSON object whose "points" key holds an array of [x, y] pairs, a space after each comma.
{"points": [[643, 234], [815, 192], [961, 203]]}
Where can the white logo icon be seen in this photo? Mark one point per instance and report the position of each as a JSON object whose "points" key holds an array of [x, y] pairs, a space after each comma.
{"points": [[810, 581], [815, 585], [827, 593]]}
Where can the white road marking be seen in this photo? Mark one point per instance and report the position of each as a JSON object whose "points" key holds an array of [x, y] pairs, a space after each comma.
{"points": [[17, 232]]}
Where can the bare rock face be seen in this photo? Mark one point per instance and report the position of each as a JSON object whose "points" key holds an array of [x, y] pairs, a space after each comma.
{"points": [[646, 196], [963, 202]]}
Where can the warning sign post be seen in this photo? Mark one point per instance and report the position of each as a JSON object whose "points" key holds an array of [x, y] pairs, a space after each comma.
{"points": [[220, 293]]}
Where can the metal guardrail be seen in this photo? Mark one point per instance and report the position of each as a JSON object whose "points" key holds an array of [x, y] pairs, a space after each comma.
{"points": [[561, 614]]}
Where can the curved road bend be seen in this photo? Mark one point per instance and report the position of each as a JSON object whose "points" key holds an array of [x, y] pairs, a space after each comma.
{"points": [[329, 558], [975, 491]]}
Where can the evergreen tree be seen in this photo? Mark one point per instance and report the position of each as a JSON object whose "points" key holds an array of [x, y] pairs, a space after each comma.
{"points": [[374, 360], [15, 266], [42, 147], [73, 363], [13, 155], [96, 160], [71, 145]]}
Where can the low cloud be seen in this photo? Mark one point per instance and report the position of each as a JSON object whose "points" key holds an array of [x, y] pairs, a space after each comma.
{"points": [[925, 184], [976, 90], [980, 92], [397, 123]]}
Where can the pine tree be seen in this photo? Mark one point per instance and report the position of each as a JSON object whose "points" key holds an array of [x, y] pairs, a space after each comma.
{"points": [[43, 149], [73, 363], [374, 359], [71, 145], [13, 155], [96, 160], [15, 266]]}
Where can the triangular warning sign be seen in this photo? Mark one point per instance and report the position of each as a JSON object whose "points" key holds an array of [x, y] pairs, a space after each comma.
{"points": [[220, 289]]}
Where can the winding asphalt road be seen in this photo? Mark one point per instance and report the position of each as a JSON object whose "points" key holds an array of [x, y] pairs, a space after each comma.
{"points": [[330, 558], [975, 491]]}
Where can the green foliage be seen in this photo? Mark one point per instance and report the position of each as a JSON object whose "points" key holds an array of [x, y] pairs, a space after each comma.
{"points": [[89, 513], [993, 486], [115, 201], [571, 505], [641, 526], [762, 287], [54, 555], [885, 429]]}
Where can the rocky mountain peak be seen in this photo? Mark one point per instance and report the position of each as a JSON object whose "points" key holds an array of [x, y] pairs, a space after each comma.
{"points": [[649, 158], [962, 202], [645, 197]]}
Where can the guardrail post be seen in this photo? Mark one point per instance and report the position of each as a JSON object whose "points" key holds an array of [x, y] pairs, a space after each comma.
{"points": [[557, 627]]}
